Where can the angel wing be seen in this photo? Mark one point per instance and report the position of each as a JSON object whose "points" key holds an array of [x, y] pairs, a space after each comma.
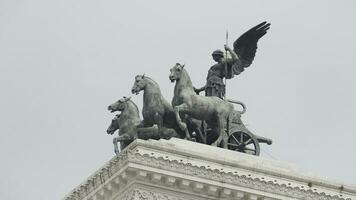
{"points": [[246, 45]]}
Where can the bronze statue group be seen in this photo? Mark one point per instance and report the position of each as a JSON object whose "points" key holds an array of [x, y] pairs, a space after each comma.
{"points": [[209, 119]]}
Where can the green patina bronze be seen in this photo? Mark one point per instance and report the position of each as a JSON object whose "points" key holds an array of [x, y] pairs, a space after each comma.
{"points": [[210, 119]]}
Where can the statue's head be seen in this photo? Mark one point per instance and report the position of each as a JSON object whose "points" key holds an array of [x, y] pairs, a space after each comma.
{"points": [[119, 105], [176, 72], [114, 125], [139, 84], [218, 55]]}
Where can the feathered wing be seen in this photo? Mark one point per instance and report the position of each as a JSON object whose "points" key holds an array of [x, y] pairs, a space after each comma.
{"points": [[246, 45]]}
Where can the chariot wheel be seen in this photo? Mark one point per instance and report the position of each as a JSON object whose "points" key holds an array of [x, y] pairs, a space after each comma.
{"points": [[243, 142]]}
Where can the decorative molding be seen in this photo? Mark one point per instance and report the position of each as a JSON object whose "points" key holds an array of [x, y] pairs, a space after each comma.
{"points": [[139, 194], [99, 177], [161, 167], [235, 179]]}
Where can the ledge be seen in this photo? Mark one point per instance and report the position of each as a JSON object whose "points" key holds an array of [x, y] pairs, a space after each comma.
{"points": [[203, 172]]}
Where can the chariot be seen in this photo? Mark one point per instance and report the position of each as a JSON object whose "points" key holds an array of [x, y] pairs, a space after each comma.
{"points": [[208, 119], [241, 139]]}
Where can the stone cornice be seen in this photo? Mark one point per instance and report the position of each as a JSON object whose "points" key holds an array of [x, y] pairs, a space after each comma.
{"points": [[231, 173], [281, 187], [98, 178]]}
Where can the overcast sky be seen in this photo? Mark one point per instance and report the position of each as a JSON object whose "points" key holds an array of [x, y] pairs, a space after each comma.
{"points": [[63, 62]]}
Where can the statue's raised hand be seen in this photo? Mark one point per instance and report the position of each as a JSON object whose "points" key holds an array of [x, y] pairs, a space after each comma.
{"points": [[227, 48]]}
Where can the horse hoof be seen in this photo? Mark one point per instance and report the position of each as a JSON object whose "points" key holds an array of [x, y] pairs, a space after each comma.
{"points": [[215, 144], [224, 145]]}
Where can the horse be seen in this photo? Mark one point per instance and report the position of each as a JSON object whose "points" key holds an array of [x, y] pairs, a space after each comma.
{"points": [[127, 122], [157, 110], [215, 111], [115, 125]]}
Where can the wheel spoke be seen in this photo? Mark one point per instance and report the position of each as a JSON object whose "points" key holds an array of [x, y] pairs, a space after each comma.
{"points": [[248, 141], [235, 145], [242, 137], [246, 148], [236, 140]]}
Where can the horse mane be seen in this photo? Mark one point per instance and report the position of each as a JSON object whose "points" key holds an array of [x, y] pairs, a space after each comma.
{"points": [[131, 102], [149, 78], [154, 82], [187, 77]]}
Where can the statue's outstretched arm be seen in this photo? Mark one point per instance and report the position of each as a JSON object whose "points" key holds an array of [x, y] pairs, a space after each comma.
{"points": [[198, 90]]}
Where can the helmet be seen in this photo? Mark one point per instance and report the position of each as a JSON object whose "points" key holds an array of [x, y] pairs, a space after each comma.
{"points": [[218, 53]]}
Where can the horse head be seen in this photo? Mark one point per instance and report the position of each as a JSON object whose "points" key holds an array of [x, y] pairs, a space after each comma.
{"points": [[176, 72], [114, 125], [139, 84], [119, 105]]}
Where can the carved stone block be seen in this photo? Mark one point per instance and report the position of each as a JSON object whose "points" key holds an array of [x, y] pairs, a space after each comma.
{"points": [[182, 170]]}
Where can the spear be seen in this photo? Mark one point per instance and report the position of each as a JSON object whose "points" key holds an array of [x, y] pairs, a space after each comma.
{"points": [[226, 43]]}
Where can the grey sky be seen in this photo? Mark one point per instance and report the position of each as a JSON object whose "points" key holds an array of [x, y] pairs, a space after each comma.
{"points": [[62, 63]]}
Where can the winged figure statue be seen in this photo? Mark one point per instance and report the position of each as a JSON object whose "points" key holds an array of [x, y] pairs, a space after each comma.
{"points": [[241, 57]]}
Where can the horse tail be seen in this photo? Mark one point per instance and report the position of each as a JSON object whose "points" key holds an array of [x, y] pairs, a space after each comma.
{"points": [[240, 103]]}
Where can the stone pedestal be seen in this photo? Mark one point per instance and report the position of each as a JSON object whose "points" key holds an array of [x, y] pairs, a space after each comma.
{"points": [[182, 170]]}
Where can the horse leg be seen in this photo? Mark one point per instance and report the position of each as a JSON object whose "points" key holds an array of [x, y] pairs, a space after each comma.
{"points": [[226, 133], [200, 135], [221, 130], [116, 148], [143, 124], [159, 121], [124, 140], [197, 128], [182, 125]]}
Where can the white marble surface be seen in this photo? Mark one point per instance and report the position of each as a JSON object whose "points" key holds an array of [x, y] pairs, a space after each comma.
{"points": [[178, 169]]}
